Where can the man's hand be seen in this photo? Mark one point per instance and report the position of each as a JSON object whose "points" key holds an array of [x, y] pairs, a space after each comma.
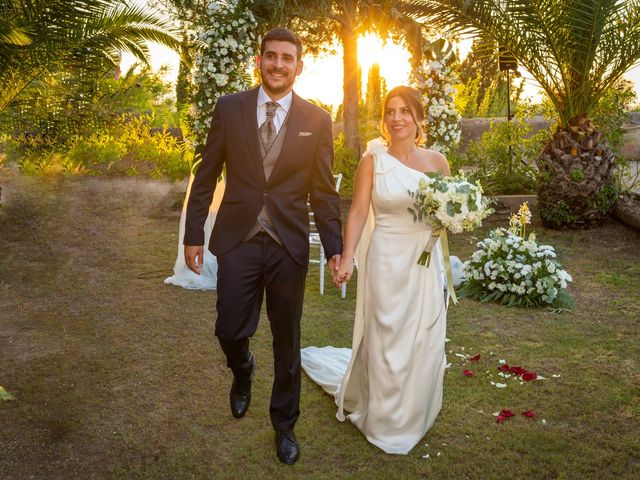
{"points": [[334, 266], [193, 257]]}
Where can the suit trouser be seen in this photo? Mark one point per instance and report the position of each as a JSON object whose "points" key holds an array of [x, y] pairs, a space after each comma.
{"points": [[255, 267]]}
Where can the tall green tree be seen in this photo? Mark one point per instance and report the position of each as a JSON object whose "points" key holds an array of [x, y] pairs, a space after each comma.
{"points": [[576, 50], [185, 15], [375, 93], [40, 37], [483, 91]]}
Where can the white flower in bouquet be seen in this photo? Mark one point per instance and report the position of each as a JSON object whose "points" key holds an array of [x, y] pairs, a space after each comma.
{"points": [[452, 203]]}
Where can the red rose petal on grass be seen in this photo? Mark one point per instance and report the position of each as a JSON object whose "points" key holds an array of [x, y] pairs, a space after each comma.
{"points": [[528, 376], [518, 370], [506, 413], [504, 368], [529, 413], [467, 373], [500, 419], [475, 358]]}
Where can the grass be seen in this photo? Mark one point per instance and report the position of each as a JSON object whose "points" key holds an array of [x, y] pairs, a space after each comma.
{"points": [[116, 375]]}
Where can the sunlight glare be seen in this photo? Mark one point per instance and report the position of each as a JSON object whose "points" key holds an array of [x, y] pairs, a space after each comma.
{"points": [[322, 76]]}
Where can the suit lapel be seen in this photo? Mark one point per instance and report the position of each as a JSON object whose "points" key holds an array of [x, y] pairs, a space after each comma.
{"points": [[250, 119], [295, 115]]}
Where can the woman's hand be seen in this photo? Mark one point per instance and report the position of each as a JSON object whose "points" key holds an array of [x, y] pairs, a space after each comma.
{"points": [[344, 272]]}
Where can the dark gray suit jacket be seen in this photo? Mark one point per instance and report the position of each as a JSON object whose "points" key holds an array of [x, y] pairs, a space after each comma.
{"points": [[302, 171]]}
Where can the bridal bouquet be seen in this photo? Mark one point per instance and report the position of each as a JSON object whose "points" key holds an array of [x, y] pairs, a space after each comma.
{"points": [[513, 269], [451, 204]]}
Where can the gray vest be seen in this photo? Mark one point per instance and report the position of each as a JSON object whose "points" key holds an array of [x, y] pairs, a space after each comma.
{"points": [[263, 221]]}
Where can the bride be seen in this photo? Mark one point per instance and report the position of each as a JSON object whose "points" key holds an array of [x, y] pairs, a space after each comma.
{"points": [[390, 382]]}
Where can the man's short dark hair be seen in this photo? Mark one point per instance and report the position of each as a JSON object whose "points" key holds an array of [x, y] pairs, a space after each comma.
{"points": [[282, 35]]}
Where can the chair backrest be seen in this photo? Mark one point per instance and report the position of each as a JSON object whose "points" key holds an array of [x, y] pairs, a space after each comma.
{"points": [[337, 177]]}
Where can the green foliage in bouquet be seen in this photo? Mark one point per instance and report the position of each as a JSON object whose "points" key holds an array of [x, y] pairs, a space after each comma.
{"points": [[453, 203], [511, 268]]}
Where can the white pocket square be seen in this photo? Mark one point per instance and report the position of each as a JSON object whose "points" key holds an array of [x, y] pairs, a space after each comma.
{"points": [[304, 134]]}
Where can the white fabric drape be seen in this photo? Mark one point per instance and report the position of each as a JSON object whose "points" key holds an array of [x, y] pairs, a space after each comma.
{"points": [[208, 278]]}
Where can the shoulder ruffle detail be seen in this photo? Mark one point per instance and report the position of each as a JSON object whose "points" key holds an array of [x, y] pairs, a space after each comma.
{"points": [[383, 162], [376, 147]]}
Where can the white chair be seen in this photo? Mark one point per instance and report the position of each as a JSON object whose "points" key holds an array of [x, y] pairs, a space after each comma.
{"points": [[314, 240]]}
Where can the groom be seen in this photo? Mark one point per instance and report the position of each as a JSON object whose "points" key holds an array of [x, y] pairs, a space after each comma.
{"points": [[278, 152]]}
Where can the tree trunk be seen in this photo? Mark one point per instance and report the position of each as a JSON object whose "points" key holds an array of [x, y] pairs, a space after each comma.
{"points": [[348, 35], [576, 187], [627, 209]]}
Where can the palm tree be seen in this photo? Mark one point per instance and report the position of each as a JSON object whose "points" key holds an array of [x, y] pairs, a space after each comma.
{"points": [[576, 50], [38, 37]]}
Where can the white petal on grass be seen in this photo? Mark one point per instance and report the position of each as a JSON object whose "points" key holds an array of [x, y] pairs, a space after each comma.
{"points": [[556, 375], [502, 361], [501, 385]]}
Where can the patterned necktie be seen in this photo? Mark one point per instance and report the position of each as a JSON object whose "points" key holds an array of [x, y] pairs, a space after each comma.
{"points": [[268, 128]]}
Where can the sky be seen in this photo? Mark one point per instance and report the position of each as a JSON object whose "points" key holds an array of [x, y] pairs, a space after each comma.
{"points": [[321, 77]]}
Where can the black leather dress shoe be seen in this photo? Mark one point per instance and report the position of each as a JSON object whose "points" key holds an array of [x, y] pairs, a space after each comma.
{"points": [[287, 446], [240, 394]]}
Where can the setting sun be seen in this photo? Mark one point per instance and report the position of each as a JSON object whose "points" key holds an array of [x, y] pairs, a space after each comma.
{"points": [[321, 78]]}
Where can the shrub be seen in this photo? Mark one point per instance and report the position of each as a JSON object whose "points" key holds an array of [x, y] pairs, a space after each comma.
{"points": [[503, 159], [127, 147]]}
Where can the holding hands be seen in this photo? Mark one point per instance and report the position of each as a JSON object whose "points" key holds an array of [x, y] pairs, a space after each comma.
{"points": [[341, 270]]}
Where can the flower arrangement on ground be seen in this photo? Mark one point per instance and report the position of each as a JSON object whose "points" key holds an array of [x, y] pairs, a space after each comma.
{"points": [[513, 269], [451, 204]]}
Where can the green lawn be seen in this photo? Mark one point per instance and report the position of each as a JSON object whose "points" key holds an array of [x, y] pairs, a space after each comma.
{"points": [[116, 375]]}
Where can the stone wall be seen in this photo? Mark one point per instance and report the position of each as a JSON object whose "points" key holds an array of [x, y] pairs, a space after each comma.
{"points": [[473, 128]]}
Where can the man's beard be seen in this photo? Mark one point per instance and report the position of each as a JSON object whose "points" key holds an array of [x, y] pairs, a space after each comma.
{"points": [[287, 83]]}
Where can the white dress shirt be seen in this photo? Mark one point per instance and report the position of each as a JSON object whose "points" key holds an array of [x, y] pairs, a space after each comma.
{"points": [[281, 113]]}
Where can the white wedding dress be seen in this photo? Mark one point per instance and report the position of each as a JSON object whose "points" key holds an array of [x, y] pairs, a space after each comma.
{"points": [[391, 379]]}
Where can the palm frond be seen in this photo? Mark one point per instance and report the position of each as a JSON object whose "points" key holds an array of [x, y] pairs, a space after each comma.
{"points": [[60, 30], [575, 49]]}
